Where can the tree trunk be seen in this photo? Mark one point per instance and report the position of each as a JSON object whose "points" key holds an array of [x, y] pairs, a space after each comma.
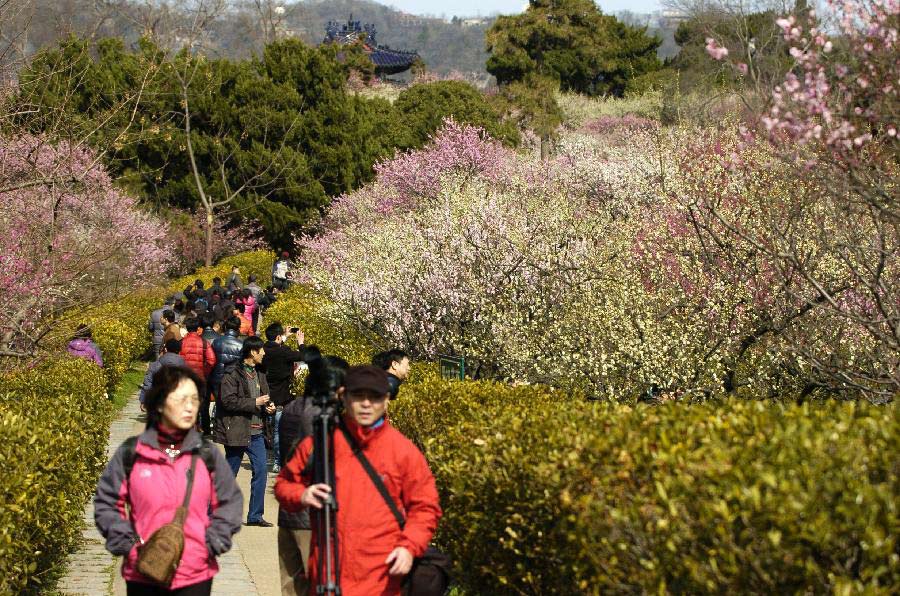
{"points": [[209, 238], [545, 147]]}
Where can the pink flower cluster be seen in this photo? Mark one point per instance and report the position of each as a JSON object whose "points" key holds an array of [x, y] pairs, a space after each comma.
{"points": [[67, 235]]}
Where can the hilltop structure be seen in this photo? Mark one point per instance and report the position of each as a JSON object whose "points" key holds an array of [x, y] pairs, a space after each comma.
{"points": [[387, 61]]}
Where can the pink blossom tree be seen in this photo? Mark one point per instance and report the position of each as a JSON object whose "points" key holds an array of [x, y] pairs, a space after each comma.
{"points": [[834, 120], [70, 239]]}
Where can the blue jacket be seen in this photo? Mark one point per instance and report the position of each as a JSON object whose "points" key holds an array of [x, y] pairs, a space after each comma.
{"points": [[228, 351]]}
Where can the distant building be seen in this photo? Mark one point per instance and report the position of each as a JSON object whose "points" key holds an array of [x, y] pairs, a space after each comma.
{"points": [[473, 22], [386, 60]]}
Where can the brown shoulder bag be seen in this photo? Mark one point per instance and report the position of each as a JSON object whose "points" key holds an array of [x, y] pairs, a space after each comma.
{"points": [[159, 557]]}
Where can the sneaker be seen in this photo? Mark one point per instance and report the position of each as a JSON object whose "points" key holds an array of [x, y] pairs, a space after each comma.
{"points": [[260, 523], [276, 468]]}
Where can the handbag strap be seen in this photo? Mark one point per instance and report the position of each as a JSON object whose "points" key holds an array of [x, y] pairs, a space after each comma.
{"points": [[181, 512], [376, 479]]}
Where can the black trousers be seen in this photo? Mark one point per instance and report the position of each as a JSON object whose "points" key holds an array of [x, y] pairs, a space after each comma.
{"points": [[201, 589]]}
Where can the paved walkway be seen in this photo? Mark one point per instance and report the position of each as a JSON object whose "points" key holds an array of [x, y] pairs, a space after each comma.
{"points": [[251, 567]]}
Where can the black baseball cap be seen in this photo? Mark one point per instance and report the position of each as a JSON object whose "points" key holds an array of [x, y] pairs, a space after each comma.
{"points": [[367, 378]]}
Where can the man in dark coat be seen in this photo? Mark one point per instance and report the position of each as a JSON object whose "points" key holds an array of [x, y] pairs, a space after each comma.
{"points": [[227, 349], [279, 365], [241, 427]]}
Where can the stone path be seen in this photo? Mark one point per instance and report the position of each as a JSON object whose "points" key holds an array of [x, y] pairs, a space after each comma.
{"points": [[92, 571]]}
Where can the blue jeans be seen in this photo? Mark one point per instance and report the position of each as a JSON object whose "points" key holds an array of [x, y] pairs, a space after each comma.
{"points": [[276, 444], [257, 453]]}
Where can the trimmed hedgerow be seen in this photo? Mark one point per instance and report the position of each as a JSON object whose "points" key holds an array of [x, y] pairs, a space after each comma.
{"points": [[742, 496], [544, 492], [54, 420]]}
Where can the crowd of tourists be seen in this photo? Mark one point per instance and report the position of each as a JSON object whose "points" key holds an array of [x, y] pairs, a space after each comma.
{"points": [[168, 501]]}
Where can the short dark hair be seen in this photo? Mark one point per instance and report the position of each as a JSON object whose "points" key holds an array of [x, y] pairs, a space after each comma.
{"points": [[386, 359], [207, 319], [217, 281], [173, 346], [198, 283], [233, 267], [251, 278], [245, 293], [169, 315], [179, 305], [274, 330], [239, 307], [165, 381], [251, 344], [83, 332], [233, 323], [192, 324]]}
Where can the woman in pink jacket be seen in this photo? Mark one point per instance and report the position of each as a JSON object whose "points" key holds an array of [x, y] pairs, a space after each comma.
{"points": [[250, 307], [146, 480]]}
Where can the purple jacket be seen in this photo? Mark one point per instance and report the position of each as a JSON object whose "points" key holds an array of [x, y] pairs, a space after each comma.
{"points": [[87, 349], [154, 490]]}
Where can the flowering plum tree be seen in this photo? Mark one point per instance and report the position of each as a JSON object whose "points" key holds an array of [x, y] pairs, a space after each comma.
{"points": [[69, 238], [834, 120]]}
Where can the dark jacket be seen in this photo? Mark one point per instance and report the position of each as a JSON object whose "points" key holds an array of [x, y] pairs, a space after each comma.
{"points": [[394, 383], [210, 335], [234, 282], [278, 364], [296, 424], [223, 309], [166, 359], [235, 408], [228, 351], [157, 328]]}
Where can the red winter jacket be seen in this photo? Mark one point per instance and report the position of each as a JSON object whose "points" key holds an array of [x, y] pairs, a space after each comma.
{"points": [[193, 347], [367, 530]]}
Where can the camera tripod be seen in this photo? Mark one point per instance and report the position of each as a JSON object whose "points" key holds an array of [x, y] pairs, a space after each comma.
{"points": [[329, 563]]}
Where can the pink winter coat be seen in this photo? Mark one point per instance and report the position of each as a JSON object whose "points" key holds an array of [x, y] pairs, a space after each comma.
{"points": [[249, 306], [155, 488]]}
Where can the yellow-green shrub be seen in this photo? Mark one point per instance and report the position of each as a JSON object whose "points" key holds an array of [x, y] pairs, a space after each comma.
{"points": [[258, 262], [545, 493], [54, 421], [315, 314], [588, 498]]}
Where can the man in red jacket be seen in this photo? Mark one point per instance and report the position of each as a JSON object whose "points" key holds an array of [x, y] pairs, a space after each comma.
{"points": [[375, 554], [200, 357]]}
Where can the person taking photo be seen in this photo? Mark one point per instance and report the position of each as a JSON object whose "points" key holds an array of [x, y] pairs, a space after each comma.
{"points": [[375, 553]]}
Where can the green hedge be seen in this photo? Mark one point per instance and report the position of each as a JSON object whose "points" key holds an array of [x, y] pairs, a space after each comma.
{"points": [[54, 420], [545, 493]]}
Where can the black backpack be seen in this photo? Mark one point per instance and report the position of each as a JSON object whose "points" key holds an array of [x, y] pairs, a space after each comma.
{"points": [[129, 455]]}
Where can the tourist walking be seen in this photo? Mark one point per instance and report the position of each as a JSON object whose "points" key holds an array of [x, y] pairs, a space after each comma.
{"points": [[241, 411], [200, 357], [173, 329], [375, 553], [227, 350], [234, 279], [82, 346], [281, 271], [157, 327], [170, 356], [151, 477]]}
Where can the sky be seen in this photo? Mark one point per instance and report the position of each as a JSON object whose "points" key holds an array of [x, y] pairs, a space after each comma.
{"points": [[466, 8]]}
